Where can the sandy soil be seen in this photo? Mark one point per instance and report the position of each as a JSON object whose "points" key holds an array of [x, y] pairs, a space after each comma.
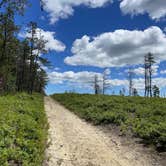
{"points": [[74, 142]]}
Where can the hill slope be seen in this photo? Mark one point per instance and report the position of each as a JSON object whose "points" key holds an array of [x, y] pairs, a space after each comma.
{"points": [[75, 142], [145, 118], [23, 130]]}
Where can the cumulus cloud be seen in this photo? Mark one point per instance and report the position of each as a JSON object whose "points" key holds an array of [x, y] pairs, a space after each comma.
{"points": [[160, 82], [86, 79], [72, 77], [140, 71], [118, 48], [56, 68], [155, 8], [62, 9], [52, 43], [107, 71], [163, 72]]}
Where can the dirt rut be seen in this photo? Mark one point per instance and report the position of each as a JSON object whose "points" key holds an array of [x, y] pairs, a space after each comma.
{"points": [[74, 142]]}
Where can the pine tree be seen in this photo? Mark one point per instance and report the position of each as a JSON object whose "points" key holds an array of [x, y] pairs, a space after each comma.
{"points": [[149, 61], [41, 81], [135, 92], [156, 91], [37, 47], [8, 46], [20, 61], [22, 66]]}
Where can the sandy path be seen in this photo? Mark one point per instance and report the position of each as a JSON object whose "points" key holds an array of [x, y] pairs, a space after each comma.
{"points": [[77, 143]]}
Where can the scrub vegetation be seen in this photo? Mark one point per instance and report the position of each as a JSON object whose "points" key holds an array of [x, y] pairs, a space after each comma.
{"points": [[144, 117], [23, 130]]}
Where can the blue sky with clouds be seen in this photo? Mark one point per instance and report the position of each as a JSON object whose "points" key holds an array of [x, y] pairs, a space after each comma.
{"points": [[87, 36]]}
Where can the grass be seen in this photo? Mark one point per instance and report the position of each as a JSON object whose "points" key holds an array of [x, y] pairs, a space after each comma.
{"points": [[23, 130], [145, 118]]}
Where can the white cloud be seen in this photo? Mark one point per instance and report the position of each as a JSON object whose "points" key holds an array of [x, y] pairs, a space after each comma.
{"points": [[82, 79], [155, 8], [72, 77], [138, 83], [118, 82], [160, 82], [56, 68], [163, 72], [140, 71], [118, 48], [107, 71], [86, 79], [155, 69], [61, 9], [52, 43]]}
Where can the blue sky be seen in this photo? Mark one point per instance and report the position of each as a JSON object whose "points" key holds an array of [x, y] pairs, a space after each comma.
{"points": [[96, 29]]}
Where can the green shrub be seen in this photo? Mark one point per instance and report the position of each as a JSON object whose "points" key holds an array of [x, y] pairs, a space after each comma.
{"points": [[145, 117], [23, 130]]}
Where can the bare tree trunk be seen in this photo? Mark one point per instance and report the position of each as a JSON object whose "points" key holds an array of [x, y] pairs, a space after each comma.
{"points": [[130, 77]]}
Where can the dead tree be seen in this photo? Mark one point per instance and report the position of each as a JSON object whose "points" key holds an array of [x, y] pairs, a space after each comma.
{"points": [[105, 82], [146, 66], [96, 85], [130, 78], [149, 61]]}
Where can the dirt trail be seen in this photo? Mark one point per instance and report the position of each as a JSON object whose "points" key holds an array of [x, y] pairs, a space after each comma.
{"points": [[77, 143]]}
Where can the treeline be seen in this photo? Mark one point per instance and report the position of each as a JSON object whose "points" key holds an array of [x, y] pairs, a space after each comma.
{"points": [[20, 60]]}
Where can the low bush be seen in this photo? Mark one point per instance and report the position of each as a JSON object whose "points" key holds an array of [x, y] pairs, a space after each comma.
{"points": [[145, 117], [23, 130]]}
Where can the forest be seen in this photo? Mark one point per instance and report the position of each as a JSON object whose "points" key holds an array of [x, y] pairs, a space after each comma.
{"points": [[23, 123], [20, 60]]}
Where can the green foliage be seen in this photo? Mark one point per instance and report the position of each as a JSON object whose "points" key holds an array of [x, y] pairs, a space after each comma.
{"points": [[23, 130], [156, 91], [20, 69], [145, 117]]}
